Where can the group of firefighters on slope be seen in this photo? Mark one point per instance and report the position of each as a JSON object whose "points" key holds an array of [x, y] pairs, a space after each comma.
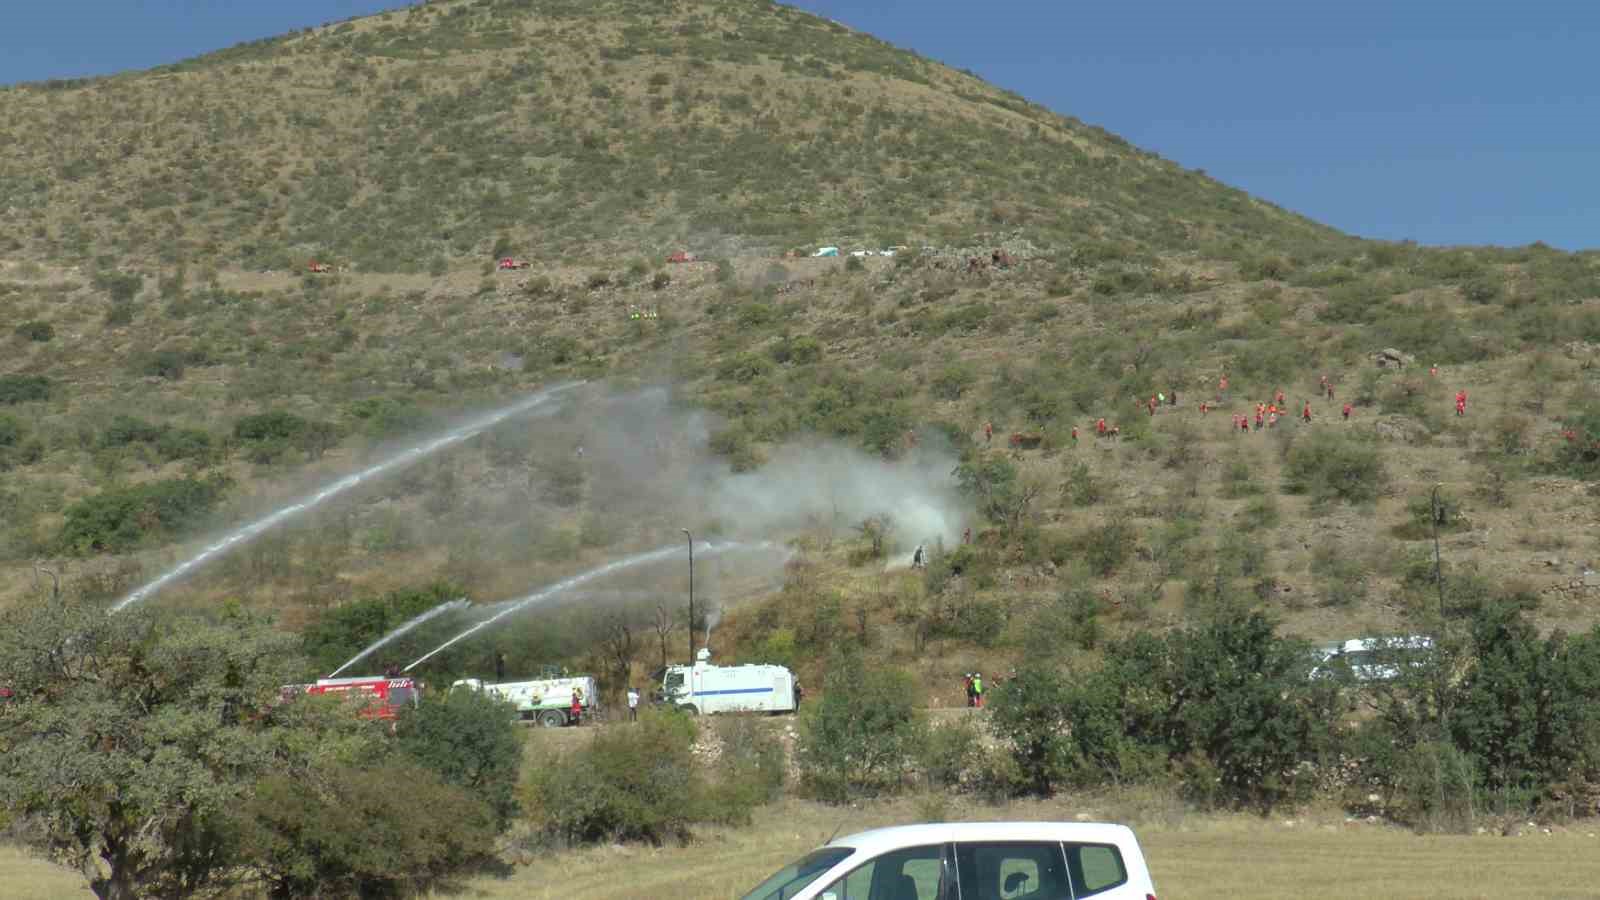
{"points": [[1266, 413]]}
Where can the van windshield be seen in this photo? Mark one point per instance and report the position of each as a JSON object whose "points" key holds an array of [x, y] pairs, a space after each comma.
{"points": [[674, 680], [793, 878]]}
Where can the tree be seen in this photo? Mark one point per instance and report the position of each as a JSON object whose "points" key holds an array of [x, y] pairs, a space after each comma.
{"points": [[470, 740], [616, 639], [663, 625], [130, 740], [343, 831], [861, 736], [1029, 713]]}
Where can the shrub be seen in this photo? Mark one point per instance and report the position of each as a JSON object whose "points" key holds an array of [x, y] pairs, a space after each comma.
{"points": [[122, 286], [953, 381], [1081, 487], [1029, 713], [345, 630], [630, 784], [750, 770], [1329, 467], [16, 389], [395, 830], [41, 332], [125, 518], [169, 364], [950, 754], [470, 740], [859, 739]]}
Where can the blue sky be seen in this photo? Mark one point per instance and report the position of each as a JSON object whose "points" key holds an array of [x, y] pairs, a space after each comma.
{"points": [[1446, 123]]}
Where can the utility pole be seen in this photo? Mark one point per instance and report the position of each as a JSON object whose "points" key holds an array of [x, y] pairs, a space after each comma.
{"points": [[1438, 576], [691, 593]]}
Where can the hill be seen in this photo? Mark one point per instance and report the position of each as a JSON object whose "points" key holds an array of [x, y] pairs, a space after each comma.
{"points": [[406, 141], [173, 369]]}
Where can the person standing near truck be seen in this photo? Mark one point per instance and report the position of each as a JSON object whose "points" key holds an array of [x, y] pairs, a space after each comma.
{"points": [[576, 711]]}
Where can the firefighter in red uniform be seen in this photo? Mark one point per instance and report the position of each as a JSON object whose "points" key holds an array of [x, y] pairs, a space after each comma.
{"points": [[1306, 413], [1347, 411], [577, 706]]}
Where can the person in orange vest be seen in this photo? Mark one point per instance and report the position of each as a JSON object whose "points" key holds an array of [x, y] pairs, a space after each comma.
{"points": [[1202, 407], [1347, 411], [1306, 413], [1461, 403], [988, 432], [577, 706], [1074, 435], [1244, 424], [1100, 427]]}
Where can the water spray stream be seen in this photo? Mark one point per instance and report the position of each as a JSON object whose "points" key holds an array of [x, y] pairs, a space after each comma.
{"points": [[574, 581], [437, 611], [411, 454]]}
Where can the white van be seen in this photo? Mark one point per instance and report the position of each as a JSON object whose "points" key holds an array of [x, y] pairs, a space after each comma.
{"points": [[1372, 659], [970, 861]]}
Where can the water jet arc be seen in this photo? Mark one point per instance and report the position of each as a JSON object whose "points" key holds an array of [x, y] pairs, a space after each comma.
{"points": [[461, 432]]}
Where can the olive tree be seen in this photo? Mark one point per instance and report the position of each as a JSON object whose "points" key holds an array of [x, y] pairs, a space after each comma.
{"points": [[127, 742]]}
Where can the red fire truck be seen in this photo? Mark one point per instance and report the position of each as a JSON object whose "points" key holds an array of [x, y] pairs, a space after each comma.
{"points": [[378, 697]]}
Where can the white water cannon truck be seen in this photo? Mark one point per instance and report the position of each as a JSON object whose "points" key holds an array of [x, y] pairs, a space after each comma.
{"points": [[547, 701], [705, 688]]}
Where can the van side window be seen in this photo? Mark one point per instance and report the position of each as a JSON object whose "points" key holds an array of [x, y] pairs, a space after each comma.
{"points": [[1095, 868], [914, 873], [1013, 870]]}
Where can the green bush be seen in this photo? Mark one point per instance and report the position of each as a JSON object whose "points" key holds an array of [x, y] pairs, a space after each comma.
{"points": [[122, 519], [341, 632], [40, 332], [1029, 713], [639, 783], [951, 753], [470, 740], [16, 389], [1332, 467], [338, 831], [860, 738]]}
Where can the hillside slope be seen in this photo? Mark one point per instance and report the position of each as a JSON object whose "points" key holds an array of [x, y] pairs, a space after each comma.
{"points": [[159, 386], [406, 140]]}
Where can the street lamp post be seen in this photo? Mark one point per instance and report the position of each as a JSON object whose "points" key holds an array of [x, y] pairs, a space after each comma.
{"points": [[691, 593], [1438, 576]]}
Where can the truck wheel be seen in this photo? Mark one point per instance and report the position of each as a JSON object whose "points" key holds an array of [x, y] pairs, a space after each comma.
{"points": [[552, 718], [690, 709]]}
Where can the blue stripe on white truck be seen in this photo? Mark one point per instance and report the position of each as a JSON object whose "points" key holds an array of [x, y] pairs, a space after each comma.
{"points": [[765, 690]]}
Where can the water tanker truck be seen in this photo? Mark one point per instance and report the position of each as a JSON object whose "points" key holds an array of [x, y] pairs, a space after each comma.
{"points": [[705, 688], [547, 701]]}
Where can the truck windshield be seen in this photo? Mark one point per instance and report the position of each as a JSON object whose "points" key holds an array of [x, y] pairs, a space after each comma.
{"points": [[674, 680], [793, 878]]}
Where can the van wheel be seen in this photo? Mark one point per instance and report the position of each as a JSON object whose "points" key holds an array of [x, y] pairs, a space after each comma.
{"points": [[690, 709], [552, 718]]}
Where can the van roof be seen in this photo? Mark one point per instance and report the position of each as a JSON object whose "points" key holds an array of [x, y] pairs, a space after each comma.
{"points": [[882, 839], [1407, 642]]}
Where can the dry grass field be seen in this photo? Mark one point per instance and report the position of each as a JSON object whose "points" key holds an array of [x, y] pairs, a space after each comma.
{"points": [[1192, 857]]}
